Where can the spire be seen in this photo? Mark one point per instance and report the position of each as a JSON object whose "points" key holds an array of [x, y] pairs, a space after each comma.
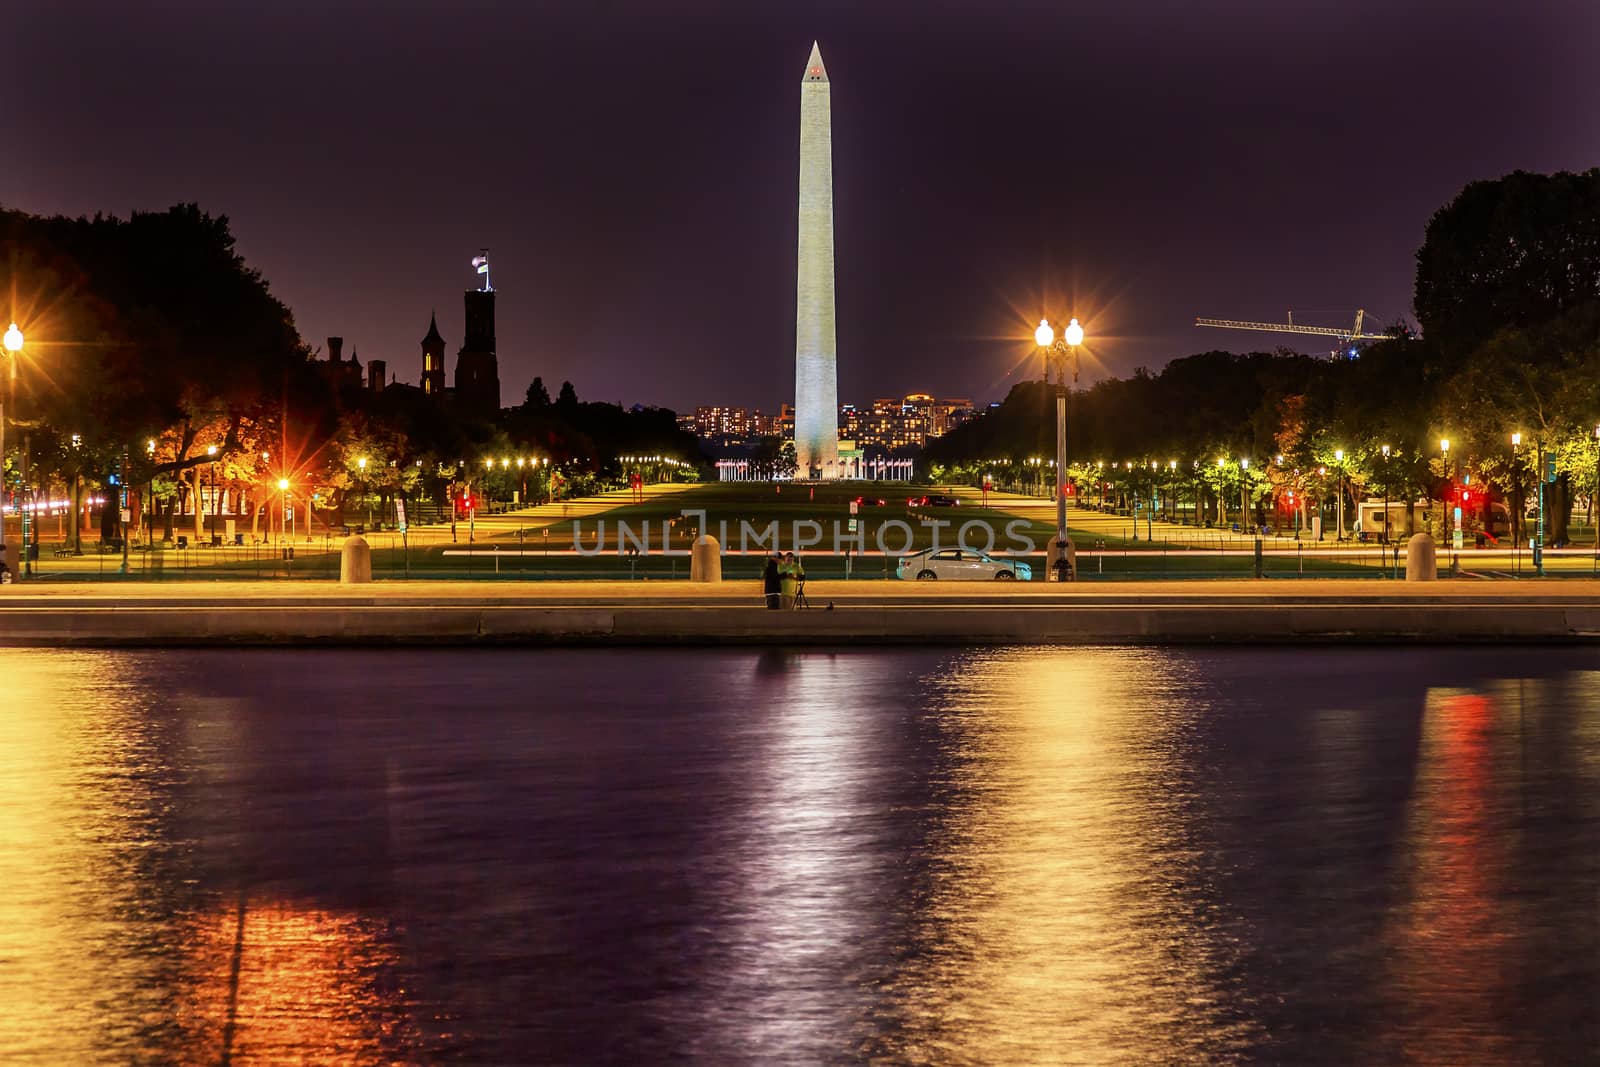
{"points": [[815, 71], [433, 331]]}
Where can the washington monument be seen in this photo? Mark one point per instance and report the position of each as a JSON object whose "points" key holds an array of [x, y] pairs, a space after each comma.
{"points": [[816, 380]]}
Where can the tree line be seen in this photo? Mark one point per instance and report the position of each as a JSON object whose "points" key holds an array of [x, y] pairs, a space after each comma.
{"points": [[1507, 295], [157, 362]]}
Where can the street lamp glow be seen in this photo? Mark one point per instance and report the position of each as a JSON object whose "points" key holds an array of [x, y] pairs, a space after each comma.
{"points": [[14, 339], [211, 450], [1073, 334], [1338, 455], [283, 484], [362, 463], [1044, 336], [1516, 438], [1385, 451], [1444, 444], [1245, 464]]}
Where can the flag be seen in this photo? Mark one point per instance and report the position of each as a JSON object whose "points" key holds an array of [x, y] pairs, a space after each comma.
{"points": [[482, 263]]}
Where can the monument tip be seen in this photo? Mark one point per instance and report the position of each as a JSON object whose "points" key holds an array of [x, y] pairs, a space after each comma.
{"points": [[815, 71]]}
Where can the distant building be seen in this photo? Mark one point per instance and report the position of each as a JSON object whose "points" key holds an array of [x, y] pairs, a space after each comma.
{"points": [[477, 369], [377, 374], [336, 370], [721, 422], [433, 360]]}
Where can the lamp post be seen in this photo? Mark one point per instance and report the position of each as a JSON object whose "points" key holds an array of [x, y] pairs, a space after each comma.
{"points": [[1338, 459], [211, 450], [13, 345], [283, 503], [1516, 495], [361, 465], [1594, 502], [1244, 496], [1444, 452], [1056, 353], [1383, 533], [1538, 538]]}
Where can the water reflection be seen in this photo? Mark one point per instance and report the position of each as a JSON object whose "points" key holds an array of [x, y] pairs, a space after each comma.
{"points": [[1065, 917], [901, 856], [267, 983]]}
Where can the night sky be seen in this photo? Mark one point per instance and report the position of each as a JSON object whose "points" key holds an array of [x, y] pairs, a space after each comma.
{"points": [[633, 172]]}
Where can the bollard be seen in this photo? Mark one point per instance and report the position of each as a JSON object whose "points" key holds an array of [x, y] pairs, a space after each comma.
{"points": [[1422, 559], [1258, 557], [705, 560], [355, 561]]}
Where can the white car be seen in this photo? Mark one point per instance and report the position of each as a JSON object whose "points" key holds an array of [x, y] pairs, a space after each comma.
{"points": [[959, 564]]}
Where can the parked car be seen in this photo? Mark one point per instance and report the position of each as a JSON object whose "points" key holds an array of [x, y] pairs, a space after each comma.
{"points": [[959, 564], [870, 501], [935, 501]]}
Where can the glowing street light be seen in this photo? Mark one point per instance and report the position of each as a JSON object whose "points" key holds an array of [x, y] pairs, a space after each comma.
{"points": [[13, 343], [1056, 354]]}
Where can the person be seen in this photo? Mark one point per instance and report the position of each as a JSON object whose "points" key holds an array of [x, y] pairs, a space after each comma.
{"points": [[790, 575], [771, 583]]}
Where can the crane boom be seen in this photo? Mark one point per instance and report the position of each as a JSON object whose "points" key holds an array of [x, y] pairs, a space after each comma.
{"points": [[1290, 327]]}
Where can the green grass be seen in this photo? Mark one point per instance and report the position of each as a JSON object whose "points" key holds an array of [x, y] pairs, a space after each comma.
{"points": [[758, 505]]}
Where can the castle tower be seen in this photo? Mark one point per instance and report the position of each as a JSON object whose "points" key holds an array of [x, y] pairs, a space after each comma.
{"points": [[816, 380], [433, 360], [477, 369]]}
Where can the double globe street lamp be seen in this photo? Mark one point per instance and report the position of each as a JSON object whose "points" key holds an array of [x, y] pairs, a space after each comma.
{"points": [[1056, 353], [13, 346]]}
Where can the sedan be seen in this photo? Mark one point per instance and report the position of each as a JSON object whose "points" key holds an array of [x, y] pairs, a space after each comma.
{"points": [[959, 564]]}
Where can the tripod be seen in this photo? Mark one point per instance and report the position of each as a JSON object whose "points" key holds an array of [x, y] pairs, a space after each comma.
{"points": [[800, 600]]}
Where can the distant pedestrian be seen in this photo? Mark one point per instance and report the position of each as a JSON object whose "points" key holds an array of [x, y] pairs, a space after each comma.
{"points": [[790, 574], [771, 583]]}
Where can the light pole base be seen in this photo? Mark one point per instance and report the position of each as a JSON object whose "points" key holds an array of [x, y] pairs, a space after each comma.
{"points": [[1062, 552]]}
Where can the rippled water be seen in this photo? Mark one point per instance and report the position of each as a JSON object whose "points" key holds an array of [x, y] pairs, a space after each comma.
{"points": [[902, 856]]}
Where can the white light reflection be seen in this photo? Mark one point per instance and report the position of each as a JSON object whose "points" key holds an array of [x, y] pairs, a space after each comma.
{"points": [[807, 866]]}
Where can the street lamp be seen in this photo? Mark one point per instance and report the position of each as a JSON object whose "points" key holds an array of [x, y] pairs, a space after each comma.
{"points": [[361, 465], [211, 451], [1338, 459], [1444, 451], [1384, 532], [13, 344], [1056, 353], [283, 502]]}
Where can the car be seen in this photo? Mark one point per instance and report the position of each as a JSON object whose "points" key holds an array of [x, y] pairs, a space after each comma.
{"points": [[870, 501], [960, 564], [935, 501]]}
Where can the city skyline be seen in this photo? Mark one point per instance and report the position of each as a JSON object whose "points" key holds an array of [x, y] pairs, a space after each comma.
{"points": [[1126, 167]]}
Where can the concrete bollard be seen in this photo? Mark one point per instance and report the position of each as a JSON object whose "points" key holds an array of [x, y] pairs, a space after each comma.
{"points": [[705, 560], [1422, 559], [355, 561]]}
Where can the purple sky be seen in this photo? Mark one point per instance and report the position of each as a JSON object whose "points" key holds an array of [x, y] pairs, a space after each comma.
{"points": [[634, 172]]}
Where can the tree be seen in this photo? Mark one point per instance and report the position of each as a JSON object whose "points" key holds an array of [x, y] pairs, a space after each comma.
{"points": [[568, 397], [1509, 253], [144, 328], [538, 396]]}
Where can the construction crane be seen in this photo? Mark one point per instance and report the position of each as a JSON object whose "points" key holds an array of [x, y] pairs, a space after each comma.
{"points": [[1344, 336]]}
